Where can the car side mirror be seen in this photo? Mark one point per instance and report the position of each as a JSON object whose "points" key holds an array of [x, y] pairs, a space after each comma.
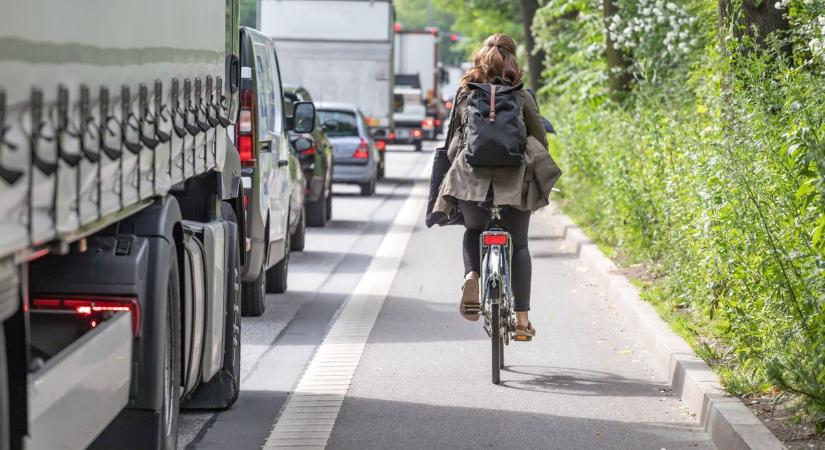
{"points": [[303, 119]]}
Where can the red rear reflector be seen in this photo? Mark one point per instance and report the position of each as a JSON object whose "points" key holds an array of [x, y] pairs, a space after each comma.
{"points": [[309, 151], [380, 145], [93, 308], [245, 150], [495, 239]]}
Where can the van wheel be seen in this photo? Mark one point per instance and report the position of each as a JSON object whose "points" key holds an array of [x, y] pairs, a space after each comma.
{"points": [[253, 296], [316, 212], [223, 389], [171, 362], [276, 276], [4, 393], [297, 241]]}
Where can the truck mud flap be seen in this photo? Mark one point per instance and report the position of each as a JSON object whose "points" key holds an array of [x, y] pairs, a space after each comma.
{"points": [[78, 392]]}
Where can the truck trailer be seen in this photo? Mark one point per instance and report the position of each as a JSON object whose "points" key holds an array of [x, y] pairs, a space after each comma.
{"points": [[340, 51], [120, 198]]}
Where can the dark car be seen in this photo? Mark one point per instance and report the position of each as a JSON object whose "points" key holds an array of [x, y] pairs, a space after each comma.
{"points": [[314, 151]]}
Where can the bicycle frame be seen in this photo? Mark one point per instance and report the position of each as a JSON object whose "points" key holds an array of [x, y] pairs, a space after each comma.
{"points": [[496, 256]]}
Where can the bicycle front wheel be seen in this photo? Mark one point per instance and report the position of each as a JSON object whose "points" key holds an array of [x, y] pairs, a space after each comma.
{"points": [[498, 344]]}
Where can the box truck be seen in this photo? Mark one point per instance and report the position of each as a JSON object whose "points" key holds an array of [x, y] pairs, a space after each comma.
{"points": [[339, 50], [120, 198]]}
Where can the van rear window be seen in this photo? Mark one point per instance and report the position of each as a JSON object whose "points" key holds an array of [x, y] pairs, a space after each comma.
{"points": [[339, 123]]}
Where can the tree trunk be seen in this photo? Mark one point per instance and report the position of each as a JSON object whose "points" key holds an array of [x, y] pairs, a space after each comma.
{"points": [[756, 21], [617, 61], [535, 59]]}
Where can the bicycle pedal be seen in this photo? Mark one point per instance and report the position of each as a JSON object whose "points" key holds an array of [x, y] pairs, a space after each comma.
{"points": [[520, 338]]}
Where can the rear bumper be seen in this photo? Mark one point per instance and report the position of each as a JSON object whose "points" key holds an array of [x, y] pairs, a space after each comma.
{"points": [[346, 173]]}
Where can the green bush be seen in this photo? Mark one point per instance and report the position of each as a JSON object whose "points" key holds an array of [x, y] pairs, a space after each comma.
{"points": [[710, 171]]}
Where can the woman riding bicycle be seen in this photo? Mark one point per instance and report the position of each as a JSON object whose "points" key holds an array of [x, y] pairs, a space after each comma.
{"points": [[520, 189]]}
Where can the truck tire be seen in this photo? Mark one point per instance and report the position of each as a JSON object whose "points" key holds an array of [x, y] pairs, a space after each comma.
{"points": [[223, 389], [298, 239], [418, 146], [276, 277], [167, 434], [253, 297], [316, 212], [4, 393]]}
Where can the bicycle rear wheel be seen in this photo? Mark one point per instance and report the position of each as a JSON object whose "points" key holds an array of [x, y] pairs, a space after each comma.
{"points": [[498, 344]]}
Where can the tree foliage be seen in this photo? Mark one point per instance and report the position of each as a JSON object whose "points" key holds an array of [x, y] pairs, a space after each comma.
{"points": [[711, 171]]}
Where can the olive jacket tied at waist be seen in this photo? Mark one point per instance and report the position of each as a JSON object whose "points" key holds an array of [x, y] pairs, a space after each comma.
{"points": [[526, 187]]}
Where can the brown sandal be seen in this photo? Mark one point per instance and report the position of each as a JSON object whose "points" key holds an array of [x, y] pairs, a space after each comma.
{"points": [[524, 334], [469, 306]]}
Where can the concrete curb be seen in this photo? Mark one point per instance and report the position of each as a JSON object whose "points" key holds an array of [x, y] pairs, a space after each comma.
{"points": [[729, 422]]}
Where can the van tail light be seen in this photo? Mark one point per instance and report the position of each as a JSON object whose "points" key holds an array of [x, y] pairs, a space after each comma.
{"points": [[94, 309], [417, 133], [494, 239], [244, 128], [363, 150], [381, 145]]}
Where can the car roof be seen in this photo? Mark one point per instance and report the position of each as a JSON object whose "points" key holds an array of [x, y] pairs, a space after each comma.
{"points": [[337, 106]]}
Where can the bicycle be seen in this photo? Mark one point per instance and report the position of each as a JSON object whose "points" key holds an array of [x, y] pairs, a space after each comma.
{"points": [[496, 294]]}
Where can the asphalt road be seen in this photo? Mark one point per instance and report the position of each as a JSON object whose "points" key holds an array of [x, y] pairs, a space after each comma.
{"points": [[421, 379]]}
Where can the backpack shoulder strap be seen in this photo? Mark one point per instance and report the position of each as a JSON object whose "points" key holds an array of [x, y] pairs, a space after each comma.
{"points": [[453, 114]]}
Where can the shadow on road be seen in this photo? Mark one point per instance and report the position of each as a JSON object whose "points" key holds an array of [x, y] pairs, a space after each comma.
{"points": [[578, 382]]}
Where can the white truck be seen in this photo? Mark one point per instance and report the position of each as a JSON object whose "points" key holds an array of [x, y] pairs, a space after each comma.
{"points": [[416, 54], [340, 51], [119, 244], [416, 58]]}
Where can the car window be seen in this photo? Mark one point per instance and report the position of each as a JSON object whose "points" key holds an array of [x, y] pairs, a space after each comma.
{"points": [[276, 95], [339, 123], [266, 121]]}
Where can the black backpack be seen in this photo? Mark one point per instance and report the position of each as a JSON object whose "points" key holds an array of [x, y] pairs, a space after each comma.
{"points": [[494, 131]]}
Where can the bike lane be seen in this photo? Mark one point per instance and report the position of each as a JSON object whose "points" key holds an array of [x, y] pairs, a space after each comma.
{"points": [[423, 380]]}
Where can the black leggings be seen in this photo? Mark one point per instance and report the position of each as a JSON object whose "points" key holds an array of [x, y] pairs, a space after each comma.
{"points": [[517, 223]]}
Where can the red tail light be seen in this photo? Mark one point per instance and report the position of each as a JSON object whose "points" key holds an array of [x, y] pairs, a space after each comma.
{"points": [[363, 150], [381, 145], [495, 239], [392, 135], [244, 128], [438, 122], [428, 123], [309, 151], [245, 150], [417, 133], [92, 308]]}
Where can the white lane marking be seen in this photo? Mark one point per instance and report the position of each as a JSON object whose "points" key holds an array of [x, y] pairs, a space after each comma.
{"points": [[309, 414]]}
